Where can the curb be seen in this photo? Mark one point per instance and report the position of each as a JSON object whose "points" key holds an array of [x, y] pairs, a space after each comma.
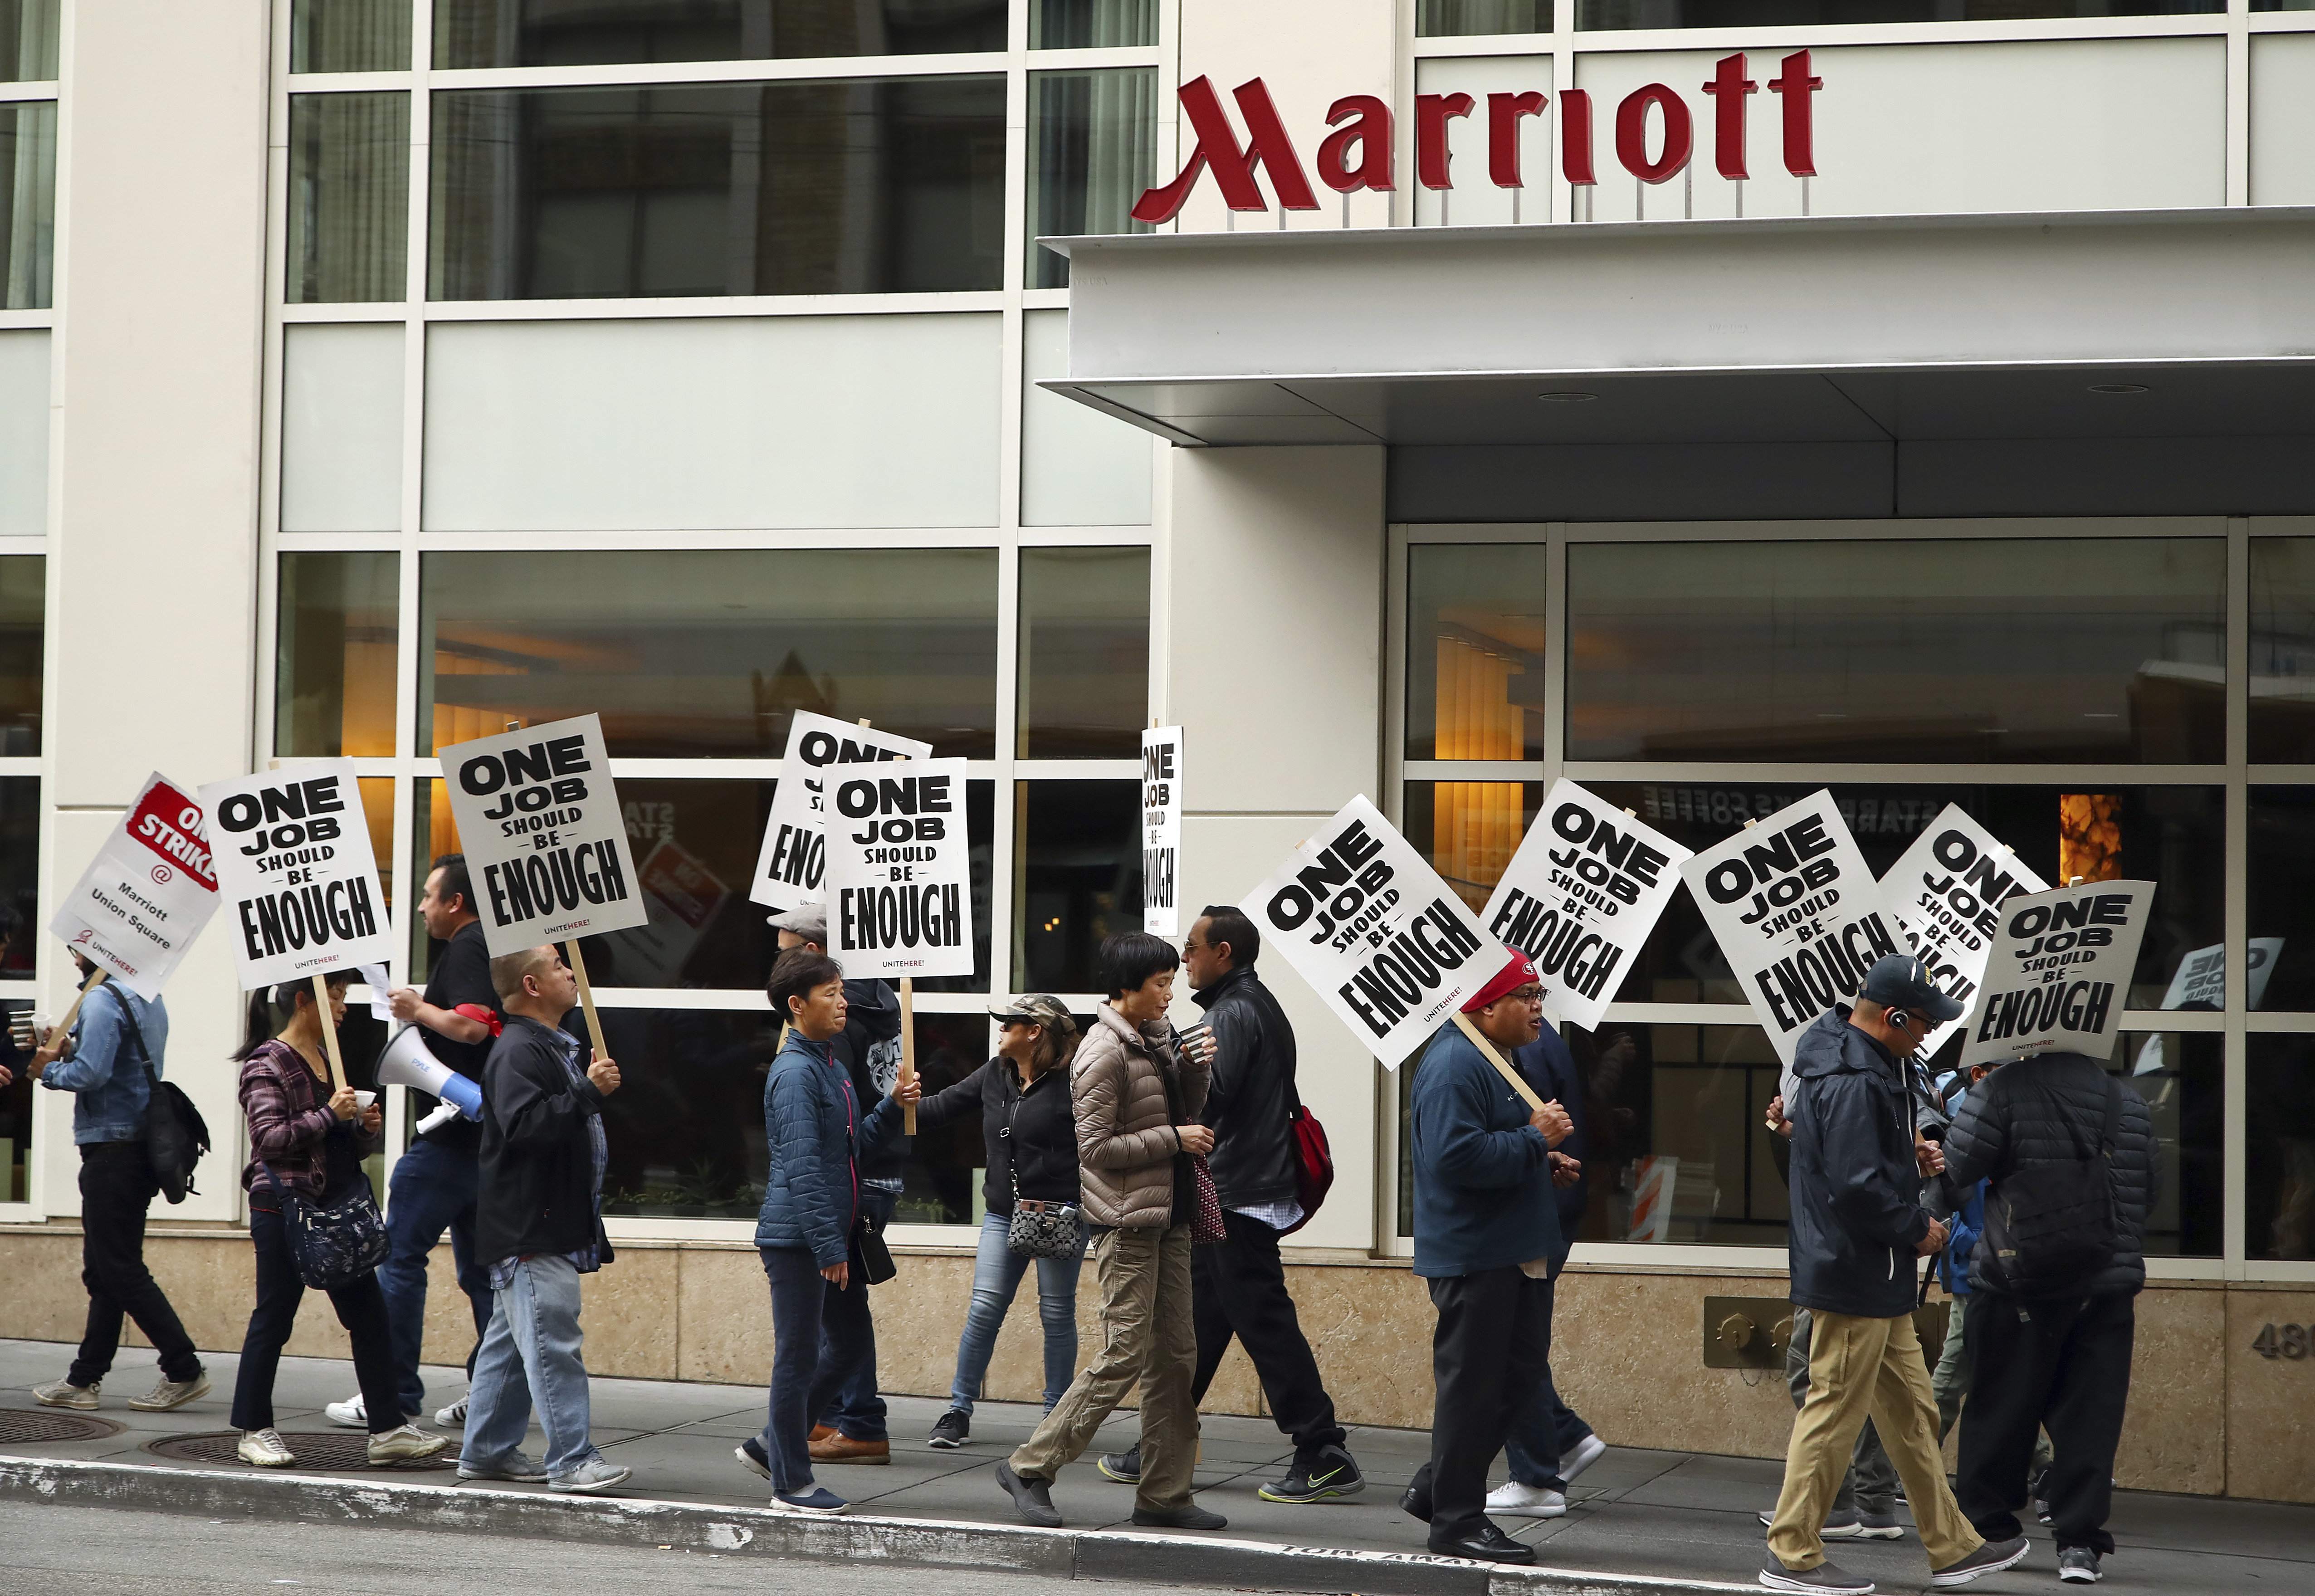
{"points": [[754, 1531]]}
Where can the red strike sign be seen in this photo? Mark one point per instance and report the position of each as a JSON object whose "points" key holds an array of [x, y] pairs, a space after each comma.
{"points": [[171, 824], [1357, 154]]}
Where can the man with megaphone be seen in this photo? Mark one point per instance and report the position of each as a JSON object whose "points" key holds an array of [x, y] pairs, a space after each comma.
{"points": [[445, 1036]]}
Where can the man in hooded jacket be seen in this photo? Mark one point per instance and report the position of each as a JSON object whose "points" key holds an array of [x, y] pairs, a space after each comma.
{"points": [[1858, 1224]]}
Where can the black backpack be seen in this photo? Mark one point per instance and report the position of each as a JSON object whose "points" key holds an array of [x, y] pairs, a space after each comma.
{"points": [[175, 1134], [2051, 1228]]}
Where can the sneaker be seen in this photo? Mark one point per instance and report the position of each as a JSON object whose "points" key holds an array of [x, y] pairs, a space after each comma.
{"points": [[171, 1393], [1580, 1457], [1835, 1529], [1188, 1516], [1824, 1578], [750, 1453], [351, 1413], [2041, 1511], [1873, 1526], [1328, 1471], [520, 1468], [840, 1448], [2078, 1566], [453, 1417], [1033, 1498], [594, 1475], [1124, 1467], [1513, 1500], [64, 1394], [949, 1430], [1991, 1557], [405, 1442], [819, 1502], [264, 1449]]}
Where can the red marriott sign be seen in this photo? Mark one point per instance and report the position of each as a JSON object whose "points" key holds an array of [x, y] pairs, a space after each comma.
{"points": [[1359, 154]]}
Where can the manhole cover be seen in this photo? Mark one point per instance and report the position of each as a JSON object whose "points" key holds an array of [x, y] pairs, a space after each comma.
{"points": [[325, 1449], [25, 1426]]}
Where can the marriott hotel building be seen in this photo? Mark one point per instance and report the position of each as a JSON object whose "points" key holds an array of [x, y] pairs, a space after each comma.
{"points": [[1906, 397]]}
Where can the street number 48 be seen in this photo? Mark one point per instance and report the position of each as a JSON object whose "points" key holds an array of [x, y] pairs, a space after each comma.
{"points": [[2285, 1341]]}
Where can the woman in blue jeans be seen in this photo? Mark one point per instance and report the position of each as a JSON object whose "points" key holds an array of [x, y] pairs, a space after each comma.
{"points": [[1023, 1095]]}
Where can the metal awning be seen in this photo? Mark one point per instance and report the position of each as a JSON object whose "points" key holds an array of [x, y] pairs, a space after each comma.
{"points": [[1869, 329]]}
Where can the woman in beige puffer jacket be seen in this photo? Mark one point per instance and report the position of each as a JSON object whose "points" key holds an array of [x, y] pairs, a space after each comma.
{"points": [[1127, 1138]]}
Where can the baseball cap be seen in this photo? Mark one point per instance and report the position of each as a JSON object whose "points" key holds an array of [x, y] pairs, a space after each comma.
{"points": [[810, 922], [1899, 982], [1038, 1009]]}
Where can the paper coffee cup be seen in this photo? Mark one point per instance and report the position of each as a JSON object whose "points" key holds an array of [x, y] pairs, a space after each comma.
{"points": [[362, 1100]]}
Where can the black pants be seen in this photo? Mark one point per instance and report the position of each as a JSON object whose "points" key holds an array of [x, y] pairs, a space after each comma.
{"points": [[1489, 1355], [361, 1309], [116, 1190], [2061, 1366], [1237, 1287]]}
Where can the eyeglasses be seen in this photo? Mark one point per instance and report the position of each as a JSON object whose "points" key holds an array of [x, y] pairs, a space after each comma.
{"points": [[1529, 995]]}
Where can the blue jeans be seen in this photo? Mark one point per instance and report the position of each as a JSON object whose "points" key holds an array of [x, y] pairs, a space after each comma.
{"points": [[996, 1272], [530, 1354], [856, 1408], [820, 1340], [432, 1190]]}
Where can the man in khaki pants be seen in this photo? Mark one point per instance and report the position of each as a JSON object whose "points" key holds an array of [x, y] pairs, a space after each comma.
{"points": [[1858, 1225]]}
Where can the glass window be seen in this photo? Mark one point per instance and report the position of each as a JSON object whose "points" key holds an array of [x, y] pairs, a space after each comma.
{"points": [[942, 1182], [28, 205], [24, 637], [348, 197], [1469, 830], [1092, 24], [582, 33], [1085, 653], [2182, 1077], [2280, 888], [28, 41], [1446, 19], [333, 686], [1475, 639], [350, 36], [2283, 650], [862, 186], [21, 922], [2279, 1160], [1804, 13], [1094, 138], [1077, 879], [2026, 650], [701, 653]]}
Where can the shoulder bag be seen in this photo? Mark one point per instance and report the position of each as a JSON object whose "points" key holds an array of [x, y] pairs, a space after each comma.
{"points": [[333, 1243], [175, 1134], [2050, 1228]]}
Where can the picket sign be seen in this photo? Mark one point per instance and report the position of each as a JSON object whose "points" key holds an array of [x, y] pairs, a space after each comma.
{"points": [[792, 860], [329, 1032], [147, 894], [2058, 977], [908, 1004], [1161, 830], [1943, 895]]}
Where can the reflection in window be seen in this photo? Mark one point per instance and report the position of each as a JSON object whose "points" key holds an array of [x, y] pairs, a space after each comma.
{"points": [[23, 636], [1092, 24], [1077, 863], [2279, 1161], [1447, 19], [1085, 653], [700, 653], [28, 204], [348, 197], [350, 36], [28, 41], [20, 874], [942, 1183], [1469, 830], [333, 692], [1801, 13], [580, 32], [2182, 1078], [1093, 137], [2280, 884], [377, 814], [862, 186], [2283, 650], [1475, 640], [2026, 650]]}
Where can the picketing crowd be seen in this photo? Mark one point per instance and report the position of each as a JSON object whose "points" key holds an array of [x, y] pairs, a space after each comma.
{"points": [[1180, 1160]]}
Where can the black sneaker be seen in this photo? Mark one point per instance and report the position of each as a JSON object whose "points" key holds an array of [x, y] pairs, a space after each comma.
{"points": [[1124, 1467], [1327, 1471], [1033, 1498], [949, 1430], [1823, 1579], [1991, 1557], [1188, 1516]]}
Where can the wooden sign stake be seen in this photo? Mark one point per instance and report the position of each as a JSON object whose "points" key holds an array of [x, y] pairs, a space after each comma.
{"points": [[64, 1027], [329, 1033], [908, 1049], [586, 995], [1487, 1050]]}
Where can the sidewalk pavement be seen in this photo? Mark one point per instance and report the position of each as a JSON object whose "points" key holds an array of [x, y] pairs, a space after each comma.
{"points": [[1682, 1518]]}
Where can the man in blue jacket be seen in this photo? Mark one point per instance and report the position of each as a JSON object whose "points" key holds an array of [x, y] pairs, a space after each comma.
{"points": [[1486, 1229], [1857, 1225]]}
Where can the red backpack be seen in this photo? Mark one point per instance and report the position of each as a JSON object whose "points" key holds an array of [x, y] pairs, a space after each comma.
{"points": [[1314, 1165]]}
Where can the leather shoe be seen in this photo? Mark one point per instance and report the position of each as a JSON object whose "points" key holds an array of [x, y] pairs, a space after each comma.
{"points": [[840, 1448], [823, 1431], [1484, 1544], [1188, 1516], [1415, 1501]]}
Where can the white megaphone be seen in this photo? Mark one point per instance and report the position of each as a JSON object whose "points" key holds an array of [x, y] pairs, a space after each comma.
{"points": [[406, 1063]]}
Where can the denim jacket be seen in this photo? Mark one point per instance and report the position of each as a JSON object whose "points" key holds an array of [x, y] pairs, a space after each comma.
{"points": [[105, 1071]]}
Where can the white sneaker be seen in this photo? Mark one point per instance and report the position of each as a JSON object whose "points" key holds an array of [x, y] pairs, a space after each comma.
{"points": [[263, 1447], [350, 1413], [1513, 1500], [406, 1440], [454, 1415], [1586, 1454], [594, 1475], [64, 1394]]}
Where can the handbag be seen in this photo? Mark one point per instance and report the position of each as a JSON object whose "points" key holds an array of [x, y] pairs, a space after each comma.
{"points": [[876, 1265], [335, 1243], [1314, 1166], [175, 1134], [1206, 1227], [1041, 1229]]}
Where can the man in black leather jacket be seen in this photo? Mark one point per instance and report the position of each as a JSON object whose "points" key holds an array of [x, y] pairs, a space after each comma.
{"points": [[1239, 1285]]}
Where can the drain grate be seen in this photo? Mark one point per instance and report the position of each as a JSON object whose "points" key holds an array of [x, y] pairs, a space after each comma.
{"points": [[325, 1450], [27, 1426]]}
